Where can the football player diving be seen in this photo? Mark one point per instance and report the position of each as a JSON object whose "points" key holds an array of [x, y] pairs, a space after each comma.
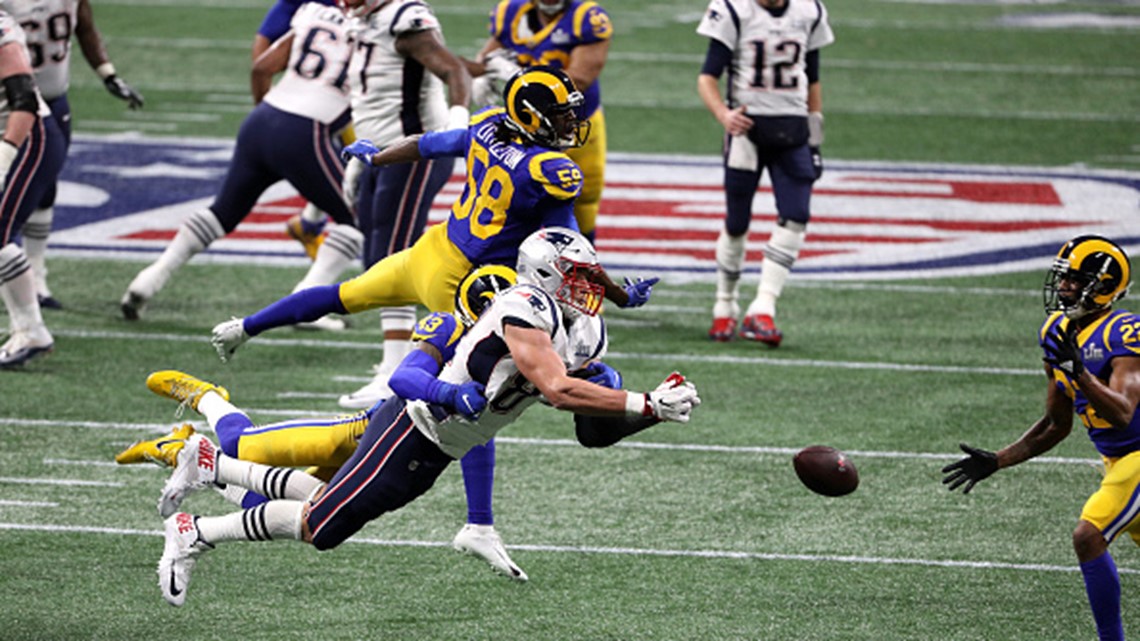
{"points": [[1092, 361], [523, 347]]}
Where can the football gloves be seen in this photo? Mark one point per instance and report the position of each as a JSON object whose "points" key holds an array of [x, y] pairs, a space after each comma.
{"points": [[121, 90], [1062, 352], [638, 291], [362, 150], [467, 399], [227, 337], [979, 465], [599, 373], [673, 400], [351, 182], [816, 161]]}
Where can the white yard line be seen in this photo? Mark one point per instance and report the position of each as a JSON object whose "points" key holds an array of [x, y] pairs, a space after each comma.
{"points": [[639, 552]]}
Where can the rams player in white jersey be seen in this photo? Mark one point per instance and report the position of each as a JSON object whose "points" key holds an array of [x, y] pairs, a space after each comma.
{"points": [[773, 119], [399, 74], [522, 348], [1092, 360], [31, 155], [290, 135], [49, 26]]}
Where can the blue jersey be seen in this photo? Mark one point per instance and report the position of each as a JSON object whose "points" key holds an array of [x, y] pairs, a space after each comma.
{"points": [[512, 189], [515, 24], [440, 330], [1115, 335]]}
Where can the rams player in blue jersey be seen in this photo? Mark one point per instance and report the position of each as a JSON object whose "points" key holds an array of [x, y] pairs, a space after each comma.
{"points": [[1092, 359], [571, 35]]}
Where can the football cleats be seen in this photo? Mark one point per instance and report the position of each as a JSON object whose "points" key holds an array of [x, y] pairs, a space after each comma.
{"points": [[564, 264], [1097, 266], [542, 107], [478, 288]]}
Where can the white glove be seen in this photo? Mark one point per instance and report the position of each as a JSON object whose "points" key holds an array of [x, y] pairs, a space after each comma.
{"points": [[486, 91], [229, 336], [458, 117], [351, 184], [815, 128], [500, 64], [673, 400]]}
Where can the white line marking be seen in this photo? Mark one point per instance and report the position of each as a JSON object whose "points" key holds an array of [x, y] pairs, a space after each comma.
{"points": [[699, 554], [65, 482], [29, 503]]}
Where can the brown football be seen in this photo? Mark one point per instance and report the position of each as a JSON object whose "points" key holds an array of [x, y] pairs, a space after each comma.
{"points": [[825, 470]]}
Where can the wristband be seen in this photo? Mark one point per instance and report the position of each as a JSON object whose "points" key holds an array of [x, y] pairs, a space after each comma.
{"points": [[105, 70], [458, 117], [637, 404]]}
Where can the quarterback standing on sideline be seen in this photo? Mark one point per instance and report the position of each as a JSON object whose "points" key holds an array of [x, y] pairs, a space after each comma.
{"points": [[31, 155], [773, 118], [1092, 361], [523, 347], [49, 26]]}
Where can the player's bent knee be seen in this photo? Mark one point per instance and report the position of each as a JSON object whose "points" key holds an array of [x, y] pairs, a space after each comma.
{"points": [[1088, 542]]}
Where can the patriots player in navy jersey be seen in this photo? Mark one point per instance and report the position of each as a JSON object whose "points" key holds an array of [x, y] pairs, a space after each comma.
{"points": [[1092, 360], [522, 349]]}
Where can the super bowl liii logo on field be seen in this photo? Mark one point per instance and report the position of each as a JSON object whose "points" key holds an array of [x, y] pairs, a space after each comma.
{"points": [[659, 214]]}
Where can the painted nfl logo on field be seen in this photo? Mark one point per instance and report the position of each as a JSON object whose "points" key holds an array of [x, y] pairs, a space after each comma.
{"points": [[658, 214]]}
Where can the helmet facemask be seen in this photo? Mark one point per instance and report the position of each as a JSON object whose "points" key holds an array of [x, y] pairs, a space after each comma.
{"points": [[552, 8], [1088, 275], [579, 290], [543, 108]]}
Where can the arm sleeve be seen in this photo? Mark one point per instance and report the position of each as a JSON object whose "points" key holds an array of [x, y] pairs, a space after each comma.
{"points": [[303, 306], [436, 144], [604, 431], [718, 58], [812, 69], [415, 379]]}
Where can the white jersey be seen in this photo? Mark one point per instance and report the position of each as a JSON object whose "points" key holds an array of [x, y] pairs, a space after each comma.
{"points": [[315, 82], [768, 74], [10, 32], [482, 353], [48, 26], [394, 96]]}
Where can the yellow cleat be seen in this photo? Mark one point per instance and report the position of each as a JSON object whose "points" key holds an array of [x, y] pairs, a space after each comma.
{"points": [[311, 242], [161, 451], [182, 387]]}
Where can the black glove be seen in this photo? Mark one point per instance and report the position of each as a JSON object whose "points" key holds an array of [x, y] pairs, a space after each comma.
{"points": [[980, 464], [1062, 353], [120, 89], [816, 161]]}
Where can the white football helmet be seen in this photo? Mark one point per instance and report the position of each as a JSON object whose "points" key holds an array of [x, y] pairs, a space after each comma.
{"points": [[564, 264]]}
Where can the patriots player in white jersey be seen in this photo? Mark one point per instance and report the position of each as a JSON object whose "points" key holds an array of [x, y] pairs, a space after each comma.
{"points": [[773, 118], [523, 348], [398, 75], [49, 26], [31, 155], [290, 135]]}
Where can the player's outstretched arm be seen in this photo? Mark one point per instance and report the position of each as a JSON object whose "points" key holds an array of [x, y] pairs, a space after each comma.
{"points": [[91, 43]]}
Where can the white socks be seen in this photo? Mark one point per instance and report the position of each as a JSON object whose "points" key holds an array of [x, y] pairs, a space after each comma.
{"points": [[401, 320], [196, 234], [729, 260], [342, 246], [19, 290], [36, 231], [265, 522], [780, 254]]}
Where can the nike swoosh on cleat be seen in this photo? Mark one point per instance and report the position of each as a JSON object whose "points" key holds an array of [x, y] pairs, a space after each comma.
{"points": [[174, 591]]}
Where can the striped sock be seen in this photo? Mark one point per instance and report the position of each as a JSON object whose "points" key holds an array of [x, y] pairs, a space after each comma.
{"points": [[266, 522]]}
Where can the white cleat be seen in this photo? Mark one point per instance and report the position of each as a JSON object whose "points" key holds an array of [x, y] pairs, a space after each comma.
{"points": [[183, 545], [375, 391], [483, 541], [24, 345], [197, 469]]}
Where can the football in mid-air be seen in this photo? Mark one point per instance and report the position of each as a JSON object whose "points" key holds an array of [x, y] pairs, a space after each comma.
{"points": [[825, 470]]}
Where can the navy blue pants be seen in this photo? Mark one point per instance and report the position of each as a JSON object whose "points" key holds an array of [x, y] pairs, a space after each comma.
{"points": [[792, 175], [394, 203], [32, 174], [275, 145], [393, 465]]}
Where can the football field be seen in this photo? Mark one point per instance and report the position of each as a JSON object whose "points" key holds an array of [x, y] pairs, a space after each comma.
{"points": [[967, 141]]}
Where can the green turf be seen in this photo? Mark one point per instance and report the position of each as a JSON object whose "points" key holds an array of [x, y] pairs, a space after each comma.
{"points": [[629, 543]]}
